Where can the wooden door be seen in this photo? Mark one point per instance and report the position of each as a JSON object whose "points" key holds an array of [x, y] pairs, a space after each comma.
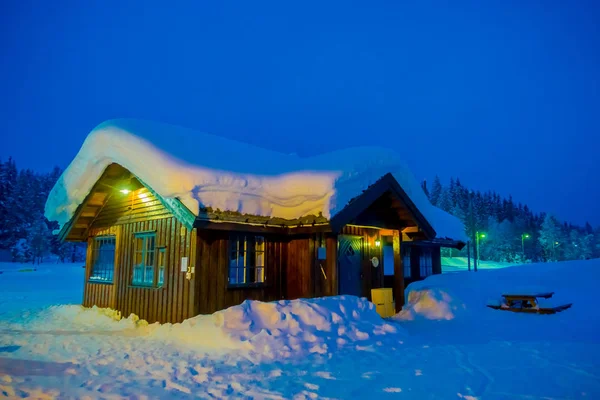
{"points": [[350, 264]]}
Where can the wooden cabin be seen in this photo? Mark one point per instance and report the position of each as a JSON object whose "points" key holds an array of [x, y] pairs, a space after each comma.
{"points": [[153, 257]]}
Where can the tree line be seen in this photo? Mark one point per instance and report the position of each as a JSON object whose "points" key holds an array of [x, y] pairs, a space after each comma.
{"points": [[512, 232], [24, 231]]}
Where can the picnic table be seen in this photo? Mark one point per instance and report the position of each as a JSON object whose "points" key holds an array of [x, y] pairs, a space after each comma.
{"points": [[528, 303]]}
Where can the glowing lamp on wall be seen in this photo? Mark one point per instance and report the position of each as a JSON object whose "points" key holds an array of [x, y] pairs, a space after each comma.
{"points": [[377, 243], [125, 191]]}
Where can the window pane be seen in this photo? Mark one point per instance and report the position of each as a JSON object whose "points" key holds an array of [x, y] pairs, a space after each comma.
{"points": [[260, 275], [103, 258], [145, 253], [388, 260], [260, 243], [161, 266], [406, 262], [260, 259], [246, 259]]}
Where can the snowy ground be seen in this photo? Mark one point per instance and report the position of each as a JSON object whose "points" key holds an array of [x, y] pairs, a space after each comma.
{"points": [[455, 264], [445, 345]]}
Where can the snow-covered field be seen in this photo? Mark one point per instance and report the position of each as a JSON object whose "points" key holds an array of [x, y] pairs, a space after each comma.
{"points": [[445, 345], [455, 264]]}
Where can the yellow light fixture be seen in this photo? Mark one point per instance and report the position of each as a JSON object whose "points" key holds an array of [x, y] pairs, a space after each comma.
{"points": [[377, 243], [125, 191]]}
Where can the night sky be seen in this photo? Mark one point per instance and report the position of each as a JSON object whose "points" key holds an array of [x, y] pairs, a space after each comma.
{"points": [[504, 96]]}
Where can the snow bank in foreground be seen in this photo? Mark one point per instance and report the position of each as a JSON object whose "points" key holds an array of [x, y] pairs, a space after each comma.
{"points": [[282, 329], [261, 330], [73, 318], [185, 165]]}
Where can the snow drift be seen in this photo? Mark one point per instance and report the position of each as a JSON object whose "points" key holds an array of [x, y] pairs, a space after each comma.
{"points": [[202, 170], [276, 330], [460, 300]]}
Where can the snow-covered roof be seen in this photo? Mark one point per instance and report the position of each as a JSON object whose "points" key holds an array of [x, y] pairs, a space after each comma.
{"points": [[203, 170]]}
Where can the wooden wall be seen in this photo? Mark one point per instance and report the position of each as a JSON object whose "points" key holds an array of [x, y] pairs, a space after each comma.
{"points": [[300, 268], [291, 267], [139, 205], [212, 271], [306, 275], [174, 301]]}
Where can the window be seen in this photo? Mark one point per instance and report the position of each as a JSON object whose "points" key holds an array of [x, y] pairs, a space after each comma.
{"points": [[103, 259], [426, 262], [149, 261], [406, 262], [388, 260], [162, 258], [246, 260]]}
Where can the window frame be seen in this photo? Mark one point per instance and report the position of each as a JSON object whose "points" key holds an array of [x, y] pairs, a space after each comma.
{"points": [[98, 240], [406, 266], [426, 268], [159, 256], [254, 273]]}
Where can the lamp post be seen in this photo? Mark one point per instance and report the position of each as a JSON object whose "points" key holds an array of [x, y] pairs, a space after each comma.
{"points": [[523, 237], [478, 235], [471, 232], [554, 246]]}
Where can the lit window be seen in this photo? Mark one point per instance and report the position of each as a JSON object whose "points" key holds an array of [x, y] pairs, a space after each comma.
{"points": [[103, 259], [426, 262], [246, 260], [149, 261]]}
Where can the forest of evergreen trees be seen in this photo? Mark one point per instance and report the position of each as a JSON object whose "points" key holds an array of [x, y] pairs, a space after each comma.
{"points": [[513, 232], [24, 231]]}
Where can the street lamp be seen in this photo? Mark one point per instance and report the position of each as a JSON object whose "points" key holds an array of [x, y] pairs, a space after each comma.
{"points": [[523, 237], [478, 235]]}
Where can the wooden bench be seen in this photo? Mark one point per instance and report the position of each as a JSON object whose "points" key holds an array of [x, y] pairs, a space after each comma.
{"points": [[528, 303]]}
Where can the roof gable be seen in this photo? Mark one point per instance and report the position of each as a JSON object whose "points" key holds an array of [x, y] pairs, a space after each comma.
{"points": [[105, 205], [385, 185]]}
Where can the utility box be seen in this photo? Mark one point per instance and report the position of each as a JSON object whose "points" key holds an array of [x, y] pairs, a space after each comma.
{"points": [[383, 299], [322, 253]]}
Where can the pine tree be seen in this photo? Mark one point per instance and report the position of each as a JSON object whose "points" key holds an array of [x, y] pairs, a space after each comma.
{"points": [[444, 202], [39, 240], [452, 193], [8, 183], [436, 191], [551, 238], [424, 187]]}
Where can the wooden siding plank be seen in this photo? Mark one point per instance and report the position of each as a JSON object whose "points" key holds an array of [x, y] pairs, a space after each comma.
{"points": [[192, 284], [186, 283], [178, 285]]}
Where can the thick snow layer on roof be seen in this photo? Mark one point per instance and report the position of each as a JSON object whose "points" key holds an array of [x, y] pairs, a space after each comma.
{"points": [[203, 170]]}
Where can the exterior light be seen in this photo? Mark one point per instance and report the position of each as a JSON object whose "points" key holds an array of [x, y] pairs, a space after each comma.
{"points": [[482, 235], [526, 236], [377, 243], [555, 242], [125, 191]]}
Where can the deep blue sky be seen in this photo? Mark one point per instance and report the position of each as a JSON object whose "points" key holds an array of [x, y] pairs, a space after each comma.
{"points": [[503, 95]]}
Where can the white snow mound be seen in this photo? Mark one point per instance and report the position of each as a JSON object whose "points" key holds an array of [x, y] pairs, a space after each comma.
{"points": [[257, 330], [283, 329], [203, 170]]}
